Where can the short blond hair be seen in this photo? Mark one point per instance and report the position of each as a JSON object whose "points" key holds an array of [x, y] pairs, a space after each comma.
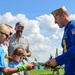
{"points": [[9, 26], [60, 11], [3, 28]]}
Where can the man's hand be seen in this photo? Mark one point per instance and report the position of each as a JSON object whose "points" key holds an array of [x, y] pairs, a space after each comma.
{"points": [[53, 62], [50, 63]]}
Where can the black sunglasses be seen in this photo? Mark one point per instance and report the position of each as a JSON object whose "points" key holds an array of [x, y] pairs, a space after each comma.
{"points": [[11, 33], [5, 34]]}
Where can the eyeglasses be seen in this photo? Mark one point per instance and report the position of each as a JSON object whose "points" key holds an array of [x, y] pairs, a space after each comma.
{"points": [[5, 34]]}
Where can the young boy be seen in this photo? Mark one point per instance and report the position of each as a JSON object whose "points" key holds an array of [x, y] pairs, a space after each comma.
{"points": [[18, 52]]}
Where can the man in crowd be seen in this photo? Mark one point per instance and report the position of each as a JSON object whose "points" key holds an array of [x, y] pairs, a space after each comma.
{"points": [[18, 40], [4, 36]]}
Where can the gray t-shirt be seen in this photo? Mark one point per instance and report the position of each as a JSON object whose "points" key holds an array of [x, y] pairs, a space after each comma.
{"points": [[14, 43]]}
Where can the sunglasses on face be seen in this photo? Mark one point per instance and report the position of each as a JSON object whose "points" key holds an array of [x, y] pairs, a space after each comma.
{"points": [[5, 34], [11, 33]]}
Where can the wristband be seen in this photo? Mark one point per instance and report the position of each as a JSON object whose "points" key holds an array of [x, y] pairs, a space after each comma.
{"points": [[22, 68]]}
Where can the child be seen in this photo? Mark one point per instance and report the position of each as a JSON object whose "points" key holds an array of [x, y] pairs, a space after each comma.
{"points": [[17, 53]]}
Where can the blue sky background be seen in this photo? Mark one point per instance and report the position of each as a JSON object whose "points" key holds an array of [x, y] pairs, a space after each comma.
{"points": [[34, 8], [43, 34]]}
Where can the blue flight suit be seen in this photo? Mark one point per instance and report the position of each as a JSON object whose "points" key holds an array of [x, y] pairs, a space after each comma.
{"points": [[68, 45]]}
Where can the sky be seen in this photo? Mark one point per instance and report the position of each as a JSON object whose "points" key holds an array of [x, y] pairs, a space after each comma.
{"points": [[44, 35]]}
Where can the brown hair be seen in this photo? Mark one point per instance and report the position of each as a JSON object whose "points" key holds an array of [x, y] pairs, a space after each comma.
{"points": [[18, 51]]}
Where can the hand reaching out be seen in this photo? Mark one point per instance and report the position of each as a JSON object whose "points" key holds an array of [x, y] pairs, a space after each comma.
{"points": [[50, 63]]}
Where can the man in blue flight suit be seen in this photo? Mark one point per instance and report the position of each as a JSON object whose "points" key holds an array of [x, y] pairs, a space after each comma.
{"points": [[68, 42]]}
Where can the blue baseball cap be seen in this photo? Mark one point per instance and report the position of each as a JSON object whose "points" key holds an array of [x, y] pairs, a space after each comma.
{"points": [[19, 24]]}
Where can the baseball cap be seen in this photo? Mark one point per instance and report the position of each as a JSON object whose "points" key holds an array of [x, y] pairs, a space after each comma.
{"points": [[19, 24], [60, 11]]}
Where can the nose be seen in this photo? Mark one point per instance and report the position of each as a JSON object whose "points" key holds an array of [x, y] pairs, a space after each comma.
{"points": [[56, 21]]}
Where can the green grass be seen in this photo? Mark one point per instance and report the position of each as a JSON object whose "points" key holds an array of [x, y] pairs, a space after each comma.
{"points": [[45, 72]]}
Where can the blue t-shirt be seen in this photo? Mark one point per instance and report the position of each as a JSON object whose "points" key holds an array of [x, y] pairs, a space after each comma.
{"points": [[68, 44], [14, 64], [2, 60]]}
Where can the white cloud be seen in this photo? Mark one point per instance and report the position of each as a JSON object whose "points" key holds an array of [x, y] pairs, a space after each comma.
{"points": [[47, 21], [7, 18], [32, 27], [54, 37], [72, 16]]}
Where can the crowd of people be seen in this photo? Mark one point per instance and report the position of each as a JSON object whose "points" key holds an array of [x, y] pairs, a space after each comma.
{"points": [[15, 48], [11, 62]]}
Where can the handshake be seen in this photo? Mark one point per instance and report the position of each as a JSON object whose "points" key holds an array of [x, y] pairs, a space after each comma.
{"points": [[50, 63], [29, 66]]}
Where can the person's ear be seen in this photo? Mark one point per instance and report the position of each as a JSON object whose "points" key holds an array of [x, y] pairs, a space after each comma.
{"points": [[63, 15]]}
